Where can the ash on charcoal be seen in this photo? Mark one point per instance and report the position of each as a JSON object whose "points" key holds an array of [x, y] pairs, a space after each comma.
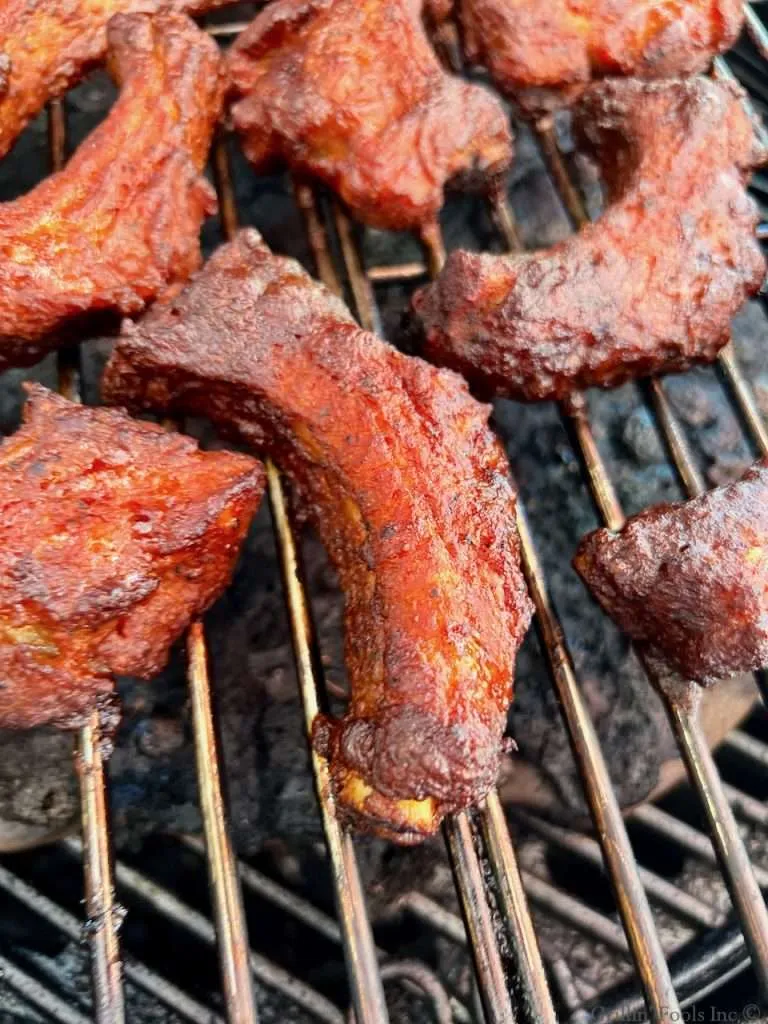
{"points": [[642, 439]]}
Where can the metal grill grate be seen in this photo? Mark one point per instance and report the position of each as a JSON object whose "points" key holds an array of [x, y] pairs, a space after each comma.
{"points": [[497, 925]]}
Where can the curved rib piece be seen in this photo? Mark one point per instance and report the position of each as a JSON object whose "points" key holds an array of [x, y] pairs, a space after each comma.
{"points": [[394, 464], [47, 46], [120, 224], [352, 93], [648, 288], [114, 535], [690, 580], [545, 54]]}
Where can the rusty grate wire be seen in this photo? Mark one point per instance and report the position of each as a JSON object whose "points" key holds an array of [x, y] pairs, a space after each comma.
{"points": [[512, 987], [102, 911]]}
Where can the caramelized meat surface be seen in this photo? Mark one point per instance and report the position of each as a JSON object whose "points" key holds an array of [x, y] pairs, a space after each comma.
{"points": [[690, 580], [46, 46], [121, 223], [650, 287], [352, 93], [544, 54], [394, 464], [114, 535]]}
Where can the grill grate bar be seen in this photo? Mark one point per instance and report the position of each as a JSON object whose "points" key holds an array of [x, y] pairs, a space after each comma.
{"points": [[413, 974], [681, 702], [744, 398], [528, 978], [576, 418], [726, 838], [566, 188], [478, 920], [230, 28], [748, 746], [576, 913], [756, 30], [137, 972], [397, 274], [685, 835], [691, 476], [38, 995], [636, 912], [669, 895], [747, 806], [434, 914], [102, 913], [301, 909], [509, 882], [174, 909], [581, 917], [225, 887]]}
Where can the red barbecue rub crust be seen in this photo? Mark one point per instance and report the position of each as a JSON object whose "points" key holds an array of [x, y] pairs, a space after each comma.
{"points": [[350, 91], [648, 288], [114, 535], [545, 54], [120, 224], [47, 46], [394, 464], [690, 580]]}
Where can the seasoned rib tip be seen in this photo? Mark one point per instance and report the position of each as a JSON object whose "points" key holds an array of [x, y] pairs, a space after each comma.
{"points": [[47, 46], [545, 54], [114, 535], [394, 464], [648, 288], [121, 223], [690, 580], [351, 92]]}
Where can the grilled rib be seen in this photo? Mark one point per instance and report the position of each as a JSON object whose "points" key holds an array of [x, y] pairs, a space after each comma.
{"points": [[648, 288], [352, 93], [47, 46], [393, 462], [690, 580], [545, 54], [114, 535], [120, 224]]}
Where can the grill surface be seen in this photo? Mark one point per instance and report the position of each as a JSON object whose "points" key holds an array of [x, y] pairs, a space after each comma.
{"points": [[497, 926]]}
